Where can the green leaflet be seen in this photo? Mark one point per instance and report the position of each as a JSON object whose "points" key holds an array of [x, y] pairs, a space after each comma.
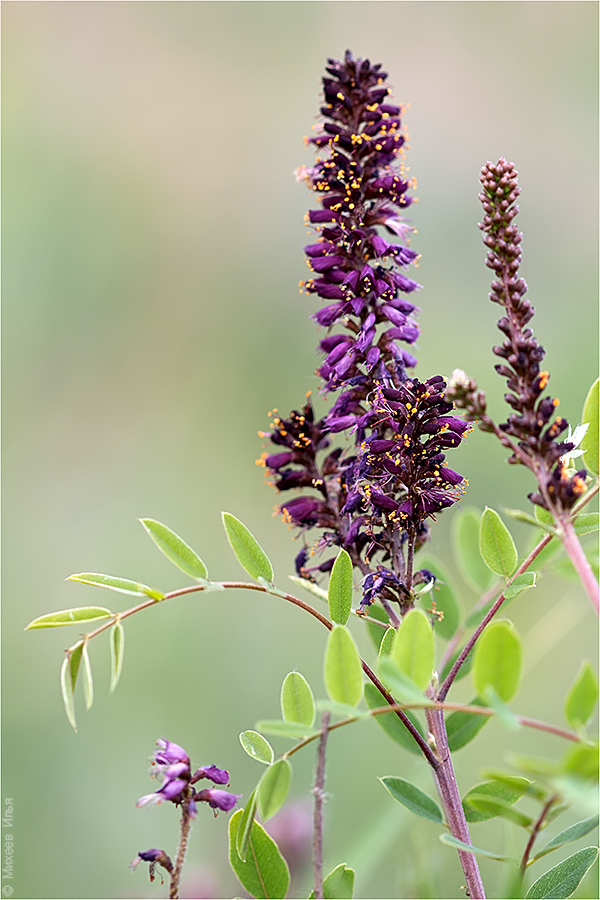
{"points": [[589, 443], [247, 549], [495, 790], [496, 544], [117, 652], [274, 787], [281, 728], [413, 649], [460, 845], [520, 583], [573, 833], [70, 617], [342, 669], [583, 697], [564, 879], [88, 681], [497, 660], [264, 873], [257, 747], [113, 583], [68, 680], [297, 701], [340, 589], [413, 798], [246, 822], [175, 549], [339, 884]]}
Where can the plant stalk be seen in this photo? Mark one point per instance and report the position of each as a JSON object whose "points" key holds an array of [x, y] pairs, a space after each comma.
{"points": [[319, 793], [580, 561], [186, 825], [448, 791]]}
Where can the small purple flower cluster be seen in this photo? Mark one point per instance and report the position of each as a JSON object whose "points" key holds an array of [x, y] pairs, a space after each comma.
{"points": [[537, 438], [171, 765], [375, 496]]}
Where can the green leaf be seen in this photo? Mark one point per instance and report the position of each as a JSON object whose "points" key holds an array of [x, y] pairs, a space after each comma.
{"points": [[391, 724], [247, 549], [279, 728], [589, 443], [543, 517], [465, 541], [342, 710], [74, 655], [67, 693], [412, 798], [70, 617], [586, 523], [246, 822], [274, 787], [343, 670], [581, 761], [498, 660], [175, 548], [402, 686], [443, 596], [340, 589], [313, 589], [257, 747], [583, 697], [339, 884], [521, 516], [462, 727], [88, 681], [385, 648], [264, 873], [413, 649], [508, 780], [500, 808], [508, 794], [460, 845], [520, 583], [564, 879], [496, 544], [573, 833], [297, 701], [122, 585], [117, 651]]}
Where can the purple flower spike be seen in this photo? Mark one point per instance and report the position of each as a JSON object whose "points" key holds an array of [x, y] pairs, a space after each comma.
{"points": [[375, 492]]}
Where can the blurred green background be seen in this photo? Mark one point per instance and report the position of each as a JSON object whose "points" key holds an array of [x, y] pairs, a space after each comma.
{"points": [[153, 237]]}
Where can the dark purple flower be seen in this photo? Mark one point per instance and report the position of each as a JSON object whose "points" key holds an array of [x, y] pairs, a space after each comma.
{"points": [[154, 857], [219, 776], [170, 753], [217, 799]]}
